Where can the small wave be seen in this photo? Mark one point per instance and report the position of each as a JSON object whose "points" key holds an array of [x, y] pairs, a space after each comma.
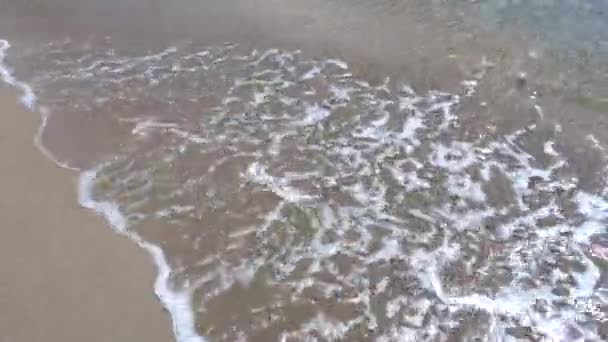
{"points": [[177, 303], [284, 197]]}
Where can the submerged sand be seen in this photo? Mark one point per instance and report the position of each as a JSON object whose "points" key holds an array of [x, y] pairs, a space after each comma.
{"points": [[65, 275], [507, 86]]}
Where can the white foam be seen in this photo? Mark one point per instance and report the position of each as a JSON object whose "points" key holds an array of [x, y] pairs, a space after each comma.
{"points": [[595, 142], [465, 187], [258, 174], [322, 325], [394, 305], [178, 303], [314, 71], [27, 97], [517, 304], [144, 127], [550, 149], [539, 111], [29, 100], [313, 115], [339, 63], [470, 87], [358, 162]]}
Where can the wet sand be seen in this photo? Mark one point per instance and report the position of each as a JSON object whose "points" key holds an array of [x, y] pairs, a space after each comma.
{"points": [[65, 275], [438, 53]]}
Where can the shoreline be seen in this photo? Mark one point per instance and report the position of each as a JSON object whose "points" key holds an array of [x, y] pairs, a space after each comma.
{"points": [[443, 70], [68, 277]]}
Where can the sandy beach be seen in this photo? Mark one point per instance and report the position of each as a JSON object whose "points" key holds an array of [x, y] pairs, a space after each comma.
{"points": [[324, 170], [65, 275]]}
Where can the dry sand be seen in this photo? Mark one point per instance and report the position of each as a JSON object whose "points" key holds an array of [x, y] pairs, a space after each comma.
{"points": [[65, 276]]}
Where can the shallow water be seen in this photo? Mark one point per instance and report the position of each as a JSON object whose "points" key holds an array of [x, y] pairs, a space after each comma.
{"points": [[291, 195]]}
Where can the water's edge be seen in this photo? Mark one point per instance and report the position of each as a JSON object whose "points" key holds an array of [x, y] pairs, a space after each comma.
{"points": [[178, 304], [444, 156]]}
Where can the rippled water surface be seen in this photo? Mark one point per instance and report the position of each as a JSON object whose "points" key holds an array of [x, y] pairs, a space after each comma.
{"points": [[298, 198], [296, 201]]}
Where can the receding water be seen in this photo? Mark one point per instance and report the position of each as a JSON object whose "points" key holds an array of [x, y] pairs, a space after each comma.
{"points": [[291, 195]]}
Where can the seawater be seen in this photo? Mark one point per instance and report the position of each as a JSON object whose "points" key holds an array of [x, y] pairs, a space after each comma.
{"points": [[287, 198]]}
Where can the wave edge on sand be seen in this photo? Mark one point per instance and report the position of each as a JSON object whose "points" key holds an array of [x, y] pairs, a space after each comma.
{"points": [[176, 303]]}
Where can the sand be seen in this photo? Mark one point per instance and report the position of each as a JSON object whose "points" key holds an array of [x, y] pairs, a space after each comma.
{"points": [[65, 275]]}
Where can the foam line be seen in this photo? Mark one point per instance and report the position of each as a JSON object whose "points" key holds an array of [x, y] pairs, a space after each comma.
{"points": [[29, 100], [368, 177], [178, 303]]}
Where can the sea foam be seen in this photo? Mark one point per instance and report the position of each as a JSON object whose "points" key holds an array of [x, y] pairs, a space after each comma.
{"points": [[306, 180], [176, 302]]}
